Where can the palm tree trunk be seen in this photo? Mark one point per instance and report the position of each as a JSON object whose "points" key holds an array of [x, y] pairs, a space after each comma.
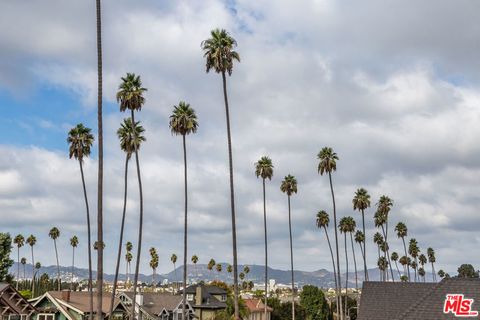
{"points": [[398, 270], [120, 241], [354, 262], [434, 276], [89, 240], [266, 247], [386, 254], [185, 232], [334, 270], [140, 226], [73, 268], [291, 258], [100, 168], [58, 265], [24, 277], [364, 252], [346, 276], [232, 202], [33, 274], [406, 255], [18, 266], [176, 279], [379, 268], [336, 244]]}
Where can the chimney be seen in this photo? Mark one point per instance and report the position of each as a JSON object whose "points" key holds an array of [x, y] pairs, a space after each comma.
{"points": [[66, 295], [138, 302], [198, 295]]}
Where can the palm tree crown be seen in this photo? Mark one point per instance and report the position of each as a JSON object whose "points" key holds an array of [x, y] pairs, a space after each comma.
{"points": [[361, 200], [31, 240], [289, 185], [131, 136], [194, 258], [130, 93], [322, 219], [359, 236], [74, 241], [401, 230], [80, 139], [328, 160], [54, 233], [347, 224], [219, 51], [264, 168], [183, 120], [19, 240]]}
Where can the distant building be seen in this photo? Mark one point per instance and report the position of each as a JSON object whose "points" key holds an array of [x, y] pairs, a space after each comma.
{"points": [[13, 306], [257, 309], [414, 301]]}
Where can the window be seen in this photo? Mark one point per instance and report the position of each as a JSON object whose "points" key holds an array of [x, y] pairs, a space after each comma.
{"points": [[190, 297], [46, 316], [224, 298]]}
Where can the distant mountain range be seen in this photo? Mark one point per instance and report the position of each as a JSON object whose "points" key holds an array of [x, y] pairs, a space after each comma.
{"points": [[321, 278]]}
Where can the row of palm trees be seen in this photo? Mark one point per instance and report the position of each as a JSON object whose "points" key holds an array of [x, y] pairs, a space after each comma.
{"points": [[347, 225]]}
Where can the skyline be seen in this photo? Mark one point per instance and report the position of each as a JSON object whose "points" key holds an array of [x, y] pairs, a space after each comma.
{"points": [[398, 103]]}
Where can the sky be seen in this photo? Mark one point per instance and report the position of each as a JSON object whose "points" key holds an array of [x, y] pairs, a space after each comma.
{"points": [[392, 86]]}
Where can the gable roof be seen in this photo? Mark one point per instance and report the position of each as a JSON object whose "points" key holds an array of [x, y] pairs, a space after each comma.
{"points": [[384, 300], [12, 302], [155, 302], [209, 301], [413, 301], [205, 288], [256, 305], [80, 301]]}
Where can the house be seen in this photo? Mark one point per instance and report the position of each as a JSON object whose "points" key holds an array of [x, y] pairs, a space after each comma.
{"points": [[13, 306], [256, 309], [157, 305], [426, 301], [206, 300], [75, 305]]}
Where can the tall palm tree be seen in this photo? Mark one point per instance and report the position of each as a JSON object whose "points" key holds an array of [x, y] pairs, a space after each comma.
{"points": [[31, 240], [100, 167], [183, 121], [23, 261], [80, 140], [153, 264], [54, 234], [384, 206], [383, 265], [173, 258], [441, 273], [322, 222], [19, 241], [131, 137], [361, 201], [360, 239], [351, 225], [423, 260], [74, 244], [37, 267], [229, 268], [431, 260], [345, 226], [328, 164], [378, 240], [404, 262], [130, 96], [289, 186], [246, 270], [394, 258], [402, 232], [264, 169], [128, 261], [194, 261], [220, 54], [421, 273], [413, 250], [210, 265], [218, 267]]}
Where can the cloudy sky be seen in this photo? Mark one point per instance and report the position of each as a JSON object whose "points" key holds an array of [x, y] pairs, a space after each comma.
{"points": [[392, 86]]}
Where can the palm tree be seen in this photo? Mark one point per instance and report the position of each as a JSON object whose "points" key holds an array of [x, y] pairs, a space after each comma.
{"points": [[402, 232], [246, 270], [153, 264], [423, 260], [130, 96], [378, 240], [441, 273], [345, 226], [351, 225], [131, 137], [81, 139], [242, 276], [74, 244], [431, 259], [404, 262], [413, 250], [54, 234], [394, 258], [421, 273], [383, 265], [384, 206], [289, 186], [194, 261], [229, 268], [100, 169], [23, 261], [31, 240], [361, 201], [360, 239], [322, 222], [328, 163], [210, 265], [128, 260], [218, 267], [173, 258], [37, 267], [220, 54], [183, 121], [19, 240], [264, 169]]}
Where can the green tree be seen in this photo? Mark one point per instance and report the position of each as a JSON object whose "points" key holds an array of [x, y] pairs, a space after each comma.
{"points": [[423, 260], [210, 265], [378, 240], [183, 122], [80, 141], [361, 201], [5, 261], [384, 206], [402, 232], [31, 240], [264, 169], [74, 244], [154, 265], [347, 225], [173, 259], [220, 54], [23, 261], [431, 260], [413, 250], [289, 186], [313, 301], [131, 137], [128, 261], [194, 261], [394, 258], [283, 311], [322, 222], [328, 164], [54, 234], [360, 239], [130, 96], [467, 271], [19, 241], [441, 273]]}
